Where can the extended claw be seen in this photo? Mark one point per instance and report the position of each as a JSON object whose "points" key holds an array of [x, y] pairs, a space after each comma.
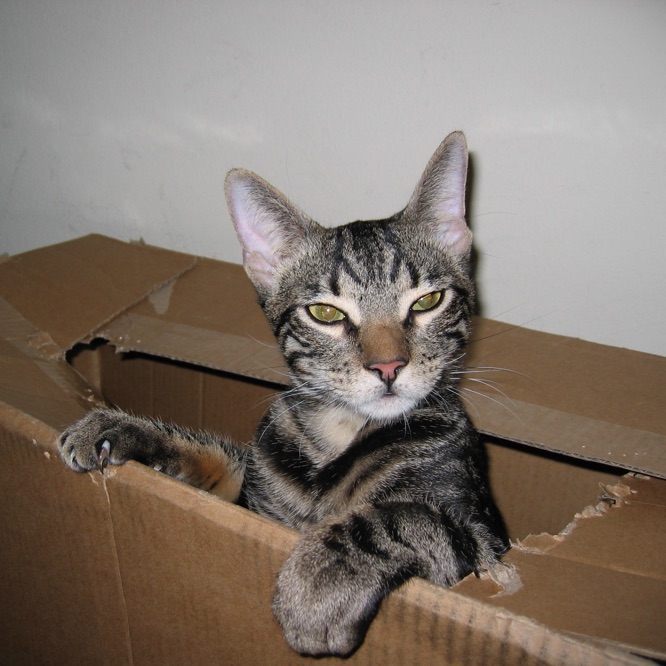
{"points": [[103, 459]]}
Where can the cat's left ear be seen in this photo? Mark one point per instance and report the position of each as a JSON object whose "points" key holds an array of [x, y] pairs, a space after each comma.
{"points": [[270, 228], [439, 199]]}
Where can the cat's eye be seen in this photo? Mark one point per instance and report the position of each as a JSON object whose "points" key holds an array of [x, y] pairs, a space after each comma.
{"points": [[326, 313], [427, 302]]}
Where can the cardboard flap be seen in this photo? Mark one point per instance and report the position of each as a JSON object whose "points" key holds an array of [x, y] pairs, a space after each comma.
{"points": [[36, 380], [596, 440], [70, 289], [562, 394], [596, 381], [235, 354], [209, 317]]}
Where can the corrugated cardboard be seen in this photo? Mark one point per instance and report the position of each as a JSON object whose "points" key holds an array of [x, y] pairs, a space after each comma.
{"points": [[134, 567]]}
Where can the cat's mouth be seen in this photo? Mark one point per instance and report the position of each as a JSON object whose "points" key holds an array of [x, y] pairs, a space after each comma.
{"points": [[386, 406]]}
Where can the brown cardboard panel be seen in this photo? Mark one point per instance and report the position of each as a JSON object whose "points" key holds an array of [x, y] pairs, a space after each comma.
{"points": [[629, 538], [596, 381], [201, 591], [589, 439], [614, 561], [44, 391], [210, 317], [188, 395], [596, 402], [232, 406], [198, 574], [74, 287], [214, 296], [577, 597], [242, 355], [540, 492], [460, 630], [626, 536], [646, 490], [33, 378], [61, 592]]}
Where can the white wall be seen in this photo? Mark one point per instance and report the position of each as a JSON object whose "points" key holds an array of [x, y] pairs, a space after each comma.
{"points": [[122, 117]]}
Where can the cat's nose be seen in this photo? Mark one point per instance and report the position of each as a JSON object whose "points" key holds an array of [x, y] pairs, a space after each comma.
{"points": [[388, 371]]}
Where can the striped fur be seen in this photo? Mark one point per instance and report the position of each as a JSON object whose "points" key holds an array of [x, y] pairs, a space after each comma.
{"points": [[369, 453]]}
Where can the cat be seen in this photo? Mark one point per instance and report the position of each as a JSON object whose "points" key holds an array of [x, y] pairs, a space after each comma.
{"points": [[369, 453]]}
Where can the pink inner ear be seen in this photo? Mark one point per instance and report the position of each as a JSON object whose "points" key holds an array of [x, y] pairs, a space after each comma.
{"points": [[260, 271], [255, 230], [452, 198], [456, 235]]}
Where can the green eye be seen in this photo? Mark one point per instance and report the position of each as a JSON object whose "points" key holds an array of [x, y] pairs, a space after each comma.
{"points": [[326, 313], [427, 302]]}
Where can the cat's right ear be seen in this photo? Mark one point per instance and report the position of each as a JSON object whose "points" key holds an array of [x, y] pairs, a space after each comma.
{"points": [[270, 228]]}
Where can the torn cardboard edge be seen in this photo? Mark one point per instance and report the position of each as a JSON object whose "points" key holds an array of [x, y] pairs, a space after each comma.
{"points": [[540, 544], [619, 497], [506, 577], [600, 546]]}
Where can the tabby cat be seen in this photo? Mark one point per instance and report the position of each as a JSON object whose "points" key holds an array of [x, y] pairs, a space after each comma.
{"points": [[370, 452]]}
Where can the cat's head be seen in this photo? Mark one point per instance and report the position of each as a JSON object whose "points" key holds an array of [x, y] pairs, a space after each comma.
{"points": [[372, 316]]}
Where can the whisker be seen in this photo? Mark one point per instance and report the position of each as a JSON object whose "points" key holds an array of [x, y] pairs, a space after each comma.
{"points": [[262, 343], [510, 327], [492, 385], [469, 369], [495, 400]]}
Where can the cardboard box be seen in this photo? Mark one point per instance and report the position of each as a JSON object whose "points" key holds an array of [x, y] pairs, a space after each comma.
{"points": [[134, 567]]}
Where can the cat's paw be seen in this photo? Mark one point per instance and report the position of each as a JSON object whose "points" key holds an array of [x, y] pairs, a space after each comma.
{"points": [[319, 619], [323, 602], [95, 441]]}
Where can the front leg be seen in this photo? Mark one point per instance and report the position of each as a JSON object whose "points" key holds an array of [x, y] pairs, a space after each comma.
{"points": [[331, 586], [108, 436]]}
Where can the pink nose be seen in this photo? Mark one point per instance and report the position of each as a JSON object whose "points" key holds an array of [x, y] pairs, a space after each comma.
{"points": [[388, 371]]}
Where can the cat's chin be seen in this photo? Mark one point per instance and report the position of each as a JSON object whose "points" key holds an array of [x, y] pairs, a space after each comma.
{"points": [[388, 408]]}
